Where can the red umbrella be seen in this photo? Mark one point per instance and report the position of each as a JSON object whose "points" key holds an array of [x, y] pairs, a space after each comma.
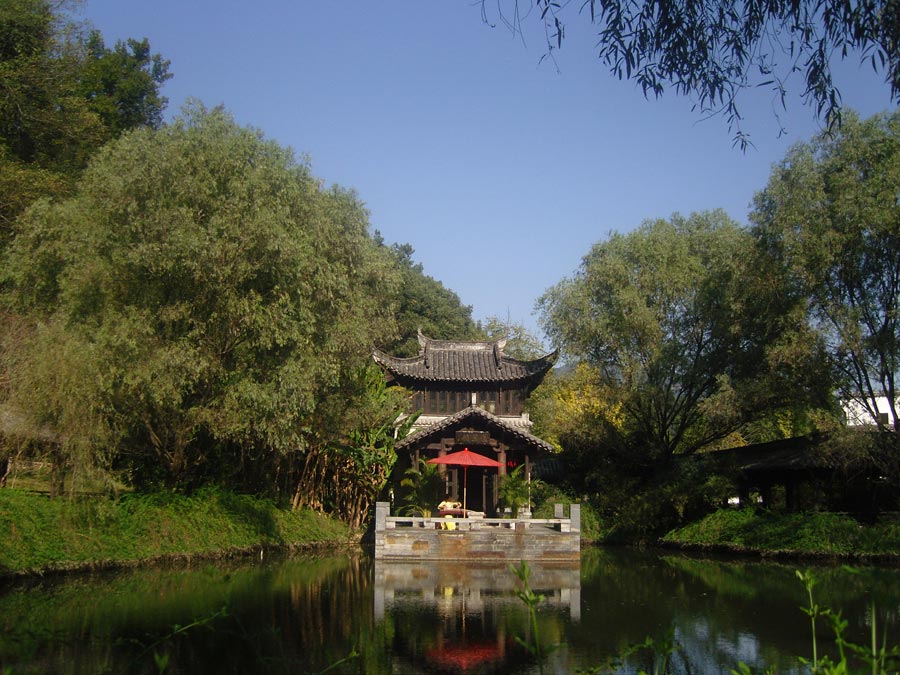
{"points": [[465, 459]]}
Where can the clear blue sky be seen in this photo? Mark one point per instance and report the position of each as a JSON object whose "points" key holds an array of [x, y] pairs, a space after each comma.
{"points": [[501, 172]]}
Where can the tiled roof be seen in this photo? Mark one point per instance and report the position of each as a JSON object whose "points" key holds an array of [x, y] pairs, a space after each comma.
{"points": [[455, 361], [427, 420], [785, 454], [481, 418]]}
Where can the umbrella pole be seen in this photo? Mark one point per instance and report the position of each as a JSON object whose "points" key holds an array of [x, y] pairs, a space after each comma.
{"points": [[465, 483]]}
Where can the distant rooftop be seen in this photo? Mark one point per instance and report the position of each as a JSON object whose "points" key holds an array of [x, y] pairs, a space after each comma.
{"points": [[460, 361]]}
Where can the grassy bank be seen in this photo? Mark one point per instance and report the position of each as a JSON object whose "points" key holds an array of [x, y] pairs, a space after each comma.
{"points": [[38, 533], [808, 533]]}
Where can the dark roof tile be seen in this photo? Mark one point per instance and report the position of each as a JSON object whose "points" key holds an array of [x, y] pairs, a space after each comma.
{"points": [[481, 418], [449, 360]]}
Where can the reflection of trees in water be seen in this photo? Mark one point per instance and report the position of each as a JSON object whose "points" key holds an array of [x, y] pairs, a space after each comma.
{"points": [[294, 616], [325, 616], [775, 586], [303, 615], [720, 612], [313, 621]]}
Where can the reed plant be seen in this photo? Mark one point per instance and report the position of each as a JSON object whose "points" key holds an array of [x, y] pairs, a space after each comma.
{"points": [[532, 644], [875, 658]]}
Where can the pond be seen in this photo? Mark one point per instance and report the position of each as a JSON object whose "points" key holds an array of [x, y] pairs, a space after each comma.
{"points": [[353, 615]]}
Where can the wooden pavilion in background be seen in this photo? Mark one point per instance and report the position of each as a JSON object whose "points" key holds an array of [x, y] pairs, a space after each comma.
{"points": [[470, 395]]}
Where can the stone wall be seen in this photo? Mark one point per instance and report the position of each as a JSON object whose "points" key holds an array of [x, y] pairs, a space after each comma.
{"points": [[487, 540]]}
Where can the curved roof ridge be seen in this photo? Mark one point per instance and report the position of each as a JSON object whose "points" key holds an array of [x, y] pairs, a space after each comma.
{"points": [[426, 342], [549, 356], [474, 411], [382, 357], [454, 361]]}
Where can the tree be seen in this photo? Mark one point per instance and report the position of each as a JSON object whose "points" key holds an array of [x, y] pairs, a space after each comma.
{"points": [[520, 342], [45, 127], [573, 408], [424, 303], [122, 84], [830, 215], [712, 51], [214, 298], [62, 95], [665, 316], [345, 477]]}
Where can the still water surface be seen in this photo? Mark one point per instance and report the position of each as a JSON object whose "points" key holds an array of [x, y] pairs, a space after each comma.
{"points": [[303, 615]]}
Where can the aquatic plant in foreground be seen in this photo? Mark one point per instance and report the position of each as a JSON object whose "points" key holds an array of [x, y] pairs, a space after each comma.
{"points": [[876, 658]]}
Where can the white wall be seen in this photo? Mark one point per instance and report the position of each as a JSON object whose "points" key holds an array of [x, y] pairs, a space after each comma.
{"points": [[856, 414]]}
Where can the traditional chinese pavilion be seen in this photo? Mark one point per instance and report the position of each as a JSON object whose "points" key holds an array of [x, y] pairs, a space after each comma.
{"points": [[470, 395]]}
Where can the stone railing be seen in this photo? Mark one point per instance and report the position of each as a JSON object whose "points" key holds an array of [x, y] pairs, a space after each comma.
{"points": [[412, 537]]}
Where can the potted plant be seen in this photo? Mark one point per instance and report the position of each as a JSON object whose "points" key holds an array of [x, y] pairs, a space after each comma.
{"points": [[514, 492], [426, 487]]}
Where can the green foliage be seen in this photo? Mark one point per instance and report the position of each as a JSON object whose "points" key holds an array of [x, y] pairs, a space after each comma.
{"points": [[531, 600], [520, 342], [660, 651], [221, 300], [22, 183], [41, 116], [425, 486], [25, 28], [514, 490], [545, 495], [122, 83], [658, 314], [694, 334], [712, 53], [828, 217], [346, 477], [630, 507], [62, 95], [633, 312], [424, 303], [573, 408], [877, 660], [637, 512], [818, 533]]}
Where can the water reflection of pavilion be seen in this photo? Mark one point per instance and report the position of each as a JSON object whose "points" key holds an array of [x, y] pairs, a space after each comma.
{"points": [[460, 588]]}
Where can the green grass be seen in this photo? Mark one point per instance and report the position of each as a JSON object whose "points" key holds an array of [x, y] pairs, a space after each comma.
{"points": [[38, 533], [807, 533]]}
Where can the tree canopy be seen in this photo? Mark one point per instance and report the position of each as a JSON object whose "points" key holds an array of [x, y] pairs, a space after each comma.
{"points": [[712, 51], [830, 216], [665, 317], [63, 94], [424, 303], [200, 296], [520, 342], [122, 84]]}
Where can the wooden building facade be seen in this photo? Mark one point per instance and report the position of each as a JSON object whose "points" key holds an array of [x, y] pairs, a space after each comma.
{"points": [[470, 394]]}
